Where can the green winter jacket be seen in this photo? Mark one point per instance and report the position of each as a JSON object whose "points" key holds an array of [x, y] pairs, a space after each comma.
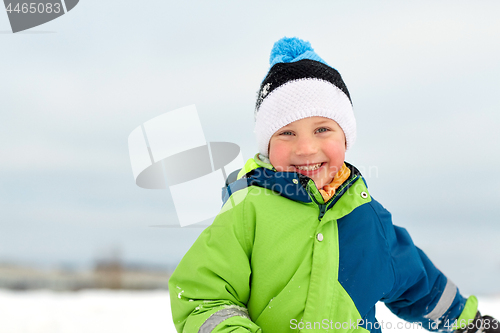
{"points": [[277, 258]]}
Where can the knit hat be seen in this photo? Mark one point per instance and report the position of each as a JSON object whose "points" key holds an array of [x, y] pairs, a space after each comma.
{"points": [[300, 84]]}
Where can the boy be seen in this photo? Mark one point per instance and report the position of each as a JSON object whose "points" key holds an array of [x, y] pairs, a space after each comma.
{"points": [[300, 244]]}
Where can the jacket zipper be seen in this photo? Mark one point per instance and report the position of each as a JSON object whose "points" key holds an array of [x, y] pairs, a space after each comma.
{"points": [[322, 207], [322, 211]]}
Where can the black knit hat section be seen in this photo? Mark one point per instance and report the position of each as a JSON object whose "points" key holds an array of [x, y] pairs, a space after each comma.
{"points": [[281, 73]]}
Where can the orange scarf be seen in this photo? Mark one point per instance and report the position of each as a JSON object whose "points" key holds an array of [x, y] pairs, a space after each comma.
{"points": [[329, 190]]}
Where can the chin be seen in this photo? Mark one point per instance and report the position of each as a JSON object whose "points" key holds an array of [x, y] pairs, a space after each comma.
{"points": [[321, 185]]}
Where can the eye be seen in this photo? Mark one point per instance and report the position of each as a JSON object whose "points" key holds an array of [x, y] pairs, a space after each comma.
{"points": [[322, 129], [286, 133]]}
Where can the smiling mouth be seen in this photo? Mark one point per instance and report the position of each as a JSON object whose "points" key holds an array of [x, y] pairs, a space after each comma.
{"points": [[309, 167]]}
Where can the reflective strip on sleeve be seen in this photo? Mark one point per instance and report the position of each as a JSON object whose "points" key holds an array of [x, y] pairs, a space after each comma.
{"points": [[444, 303], [220, 316]]}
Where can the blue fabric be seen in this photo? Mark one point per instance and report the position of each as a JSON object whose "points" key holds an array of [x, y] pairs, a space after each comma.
{"points": [[280, 182], [370, 322], [363, 253], [400, 274], [233, 187]]}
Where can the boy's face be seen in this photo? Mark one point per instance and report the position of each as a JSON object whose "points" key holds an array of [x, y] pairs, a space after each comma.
{"points": [[314, 147]]}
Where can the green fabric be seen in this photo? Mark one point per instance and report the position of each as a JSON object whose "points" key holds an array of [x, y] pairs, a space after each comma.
{"points": [[249, 166], [352, 198], [314, 193], [468, 314], [295, 282], [254, 163], [263, 162]]}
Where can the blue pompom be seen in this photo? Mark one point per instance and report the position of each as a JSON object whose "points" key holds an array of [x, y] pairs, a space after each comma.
{"points": [[288, 49], [291, 50]]}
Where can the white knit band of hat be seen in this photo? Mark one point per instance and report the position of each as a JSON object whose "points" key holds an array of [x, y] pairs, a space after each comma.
{"points": [[300, 99]]}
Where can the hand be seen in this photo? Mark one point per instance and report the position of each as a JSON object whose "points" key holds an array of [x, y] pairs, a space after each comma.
{"points": [[481, 324]]}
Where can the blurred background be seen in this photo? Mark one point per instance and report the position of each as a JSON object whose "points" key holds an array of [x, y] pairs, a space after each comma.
{"points": [[424, 77]]}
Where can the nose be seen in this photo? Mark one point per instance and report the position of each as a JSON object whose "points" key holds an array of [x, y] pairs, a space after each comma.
{"points": [[306, 146]]}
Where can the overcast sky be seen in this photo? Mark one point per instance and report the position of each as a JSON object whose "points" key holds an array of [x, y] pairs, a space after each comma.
{"points": [[424, 77]]}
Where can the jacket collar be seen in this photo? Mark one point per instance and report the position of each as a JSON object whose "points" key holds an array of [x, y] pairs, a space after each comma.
{"points": [[292, 185]]}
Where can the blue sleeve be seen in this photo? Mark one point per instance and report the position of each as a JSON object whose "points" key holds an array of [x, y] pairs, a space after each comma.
{"points": [[421, 293]]}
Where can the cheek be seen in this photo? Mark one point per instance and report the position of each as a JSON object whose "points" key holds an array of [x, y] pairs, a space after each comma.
{"points": [[278, 155], [336, 153]]}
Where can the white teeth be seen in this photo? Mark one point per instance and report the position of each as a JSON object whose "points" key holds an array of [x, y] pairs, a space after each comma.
{"points": [[309, 167]]}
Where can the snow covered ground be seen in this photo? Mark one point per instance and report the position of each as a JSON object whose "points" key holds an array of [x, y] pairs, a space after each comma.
{"points": [[102, 311], [96, 311]]}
